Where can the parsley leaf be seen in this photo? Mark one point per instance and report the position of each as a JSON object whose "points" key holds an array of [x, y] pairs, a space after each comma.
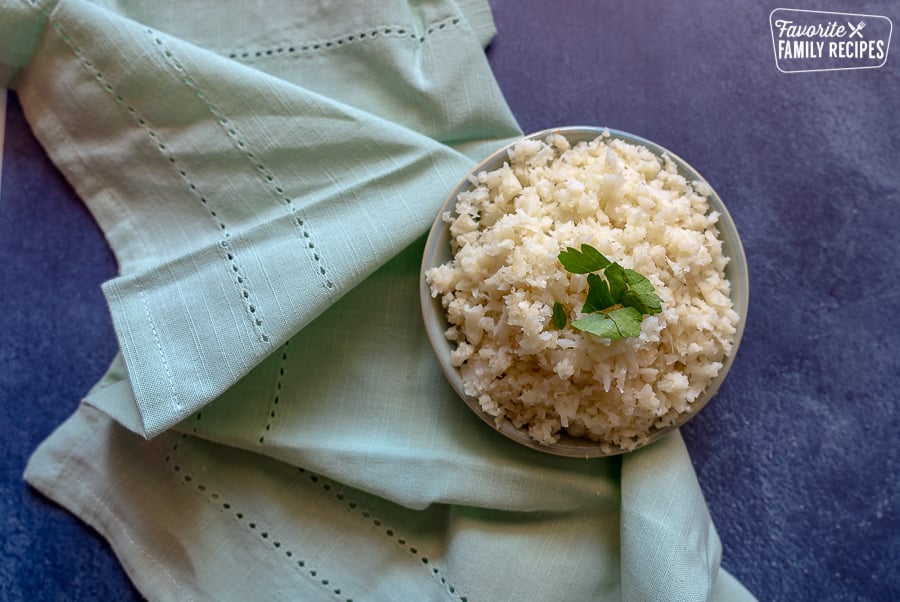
{"points": [[599, 325], [646, 303], [615, 275], [559, 317], [640, 294], [617, 324], [637, 282], [615, 303], [585, 261], [627, 320], [598, 297]]}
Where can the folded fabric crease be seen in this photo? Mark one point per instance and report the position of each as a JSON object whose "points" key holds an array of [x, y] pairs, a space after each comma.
{"points": [[230, 164], [264, 174]]}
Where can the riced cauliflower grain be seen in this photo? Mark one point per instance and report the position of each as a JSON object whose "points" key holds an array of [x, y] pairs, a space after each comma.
{"points": [[499, 288]]}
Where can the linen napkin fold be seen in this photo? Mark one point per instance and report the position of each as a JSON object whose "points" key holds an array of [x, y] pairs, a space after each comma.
{"points": [[264, 176], [239, 205]]}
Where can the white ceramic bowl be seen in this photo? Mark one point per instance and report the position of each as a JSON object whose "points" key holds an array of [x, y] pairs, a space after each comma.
{"points": [[437, 252]]}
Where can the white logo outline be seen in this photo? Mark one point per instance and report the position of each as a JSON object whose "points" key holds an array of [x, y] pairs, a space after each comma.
{"points": [[854, 31]]}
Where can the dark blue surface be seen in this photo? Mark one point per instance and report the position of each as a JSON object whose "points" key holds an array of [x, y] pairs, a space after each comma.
{"points": [[57, 342], [798, 455]]}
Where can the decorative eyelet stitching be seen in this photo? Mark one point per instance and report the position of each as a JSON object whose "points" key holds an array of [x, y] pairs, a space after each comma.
{"points": [[187, 478], [228, 255], [269, 179], [338, 495], [198, 416], [386, 530], [276, 398], [266, 537], [345, 40]]}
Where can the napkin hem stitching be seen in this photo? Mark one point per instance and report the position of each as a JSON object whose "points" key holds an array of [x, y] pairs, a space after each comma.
{"points": [[385, 530], [268, 539], [162, 355], [229, 256], [269, 179], [335, 493], [373, 33]]}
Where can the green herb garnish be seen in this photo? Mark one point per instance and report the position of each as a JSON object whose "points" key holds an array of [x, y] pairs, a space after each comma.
{"points": [[616, 301], [585, 261], [559, 317]]}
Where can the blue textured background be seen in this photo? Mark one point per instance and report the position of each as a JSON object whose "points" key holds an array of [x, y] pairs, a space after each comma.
{"points": [[798, 455]]}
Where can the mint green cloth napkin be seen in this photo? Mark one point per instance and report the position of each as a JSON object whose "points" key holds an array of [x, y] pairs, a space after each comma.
{"points": [[275, 426]]}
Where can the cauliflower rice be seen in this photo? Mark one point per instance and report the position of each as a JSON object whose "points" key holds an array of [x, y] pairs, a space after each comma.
{"points": [[499, 288]]}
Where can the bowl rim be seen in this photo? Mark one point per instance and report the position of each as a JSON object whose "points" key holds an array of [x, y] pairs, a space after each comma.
{"points": [[434, 315]]}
